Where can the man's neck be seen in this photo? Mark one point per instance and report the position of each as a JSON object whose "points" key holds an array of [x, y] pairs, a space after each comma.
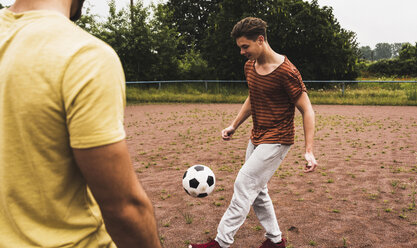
{"points": [[63, 7], [268, 61], [269, 56]]}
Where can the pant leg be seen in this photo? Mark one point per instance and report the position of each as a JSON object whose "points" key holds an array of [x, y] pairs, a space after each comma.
{"points": [[264, 208], [259, 167], [234, 216]]}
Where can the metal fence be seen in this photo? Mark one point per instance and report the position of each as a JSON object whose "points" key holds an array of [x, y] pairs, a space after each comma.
{"points": [[342, 83]]}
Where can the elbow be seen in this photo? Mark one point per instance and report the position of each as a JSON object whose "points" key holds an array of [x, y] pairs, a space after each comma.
{"points": [[307, 113], [125, 209]]}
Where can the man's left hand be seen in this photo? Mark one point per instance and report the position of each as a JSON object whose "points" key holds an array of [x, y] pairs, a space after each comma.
{"points": [[311, 162]]}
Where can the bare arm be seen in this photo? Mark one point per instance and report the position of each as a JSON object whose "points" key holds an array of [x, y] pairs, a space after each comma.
{"points": [[127, 210], [244, 113], [304, 106]]}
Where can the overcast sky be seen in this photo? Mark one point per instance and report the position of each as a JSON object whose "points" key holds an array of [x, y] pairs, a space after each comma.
{"points": [[373, 21]]}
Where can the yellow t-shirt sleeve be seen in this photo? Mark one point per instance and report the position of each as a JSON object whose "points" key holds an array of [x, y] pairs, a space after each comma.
{"points": [[94, 97]]}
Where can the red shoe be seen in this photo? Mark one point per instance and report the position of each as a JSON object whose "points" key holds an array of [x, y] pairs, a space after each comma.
{"points": [[269, 244], [211, 244]]}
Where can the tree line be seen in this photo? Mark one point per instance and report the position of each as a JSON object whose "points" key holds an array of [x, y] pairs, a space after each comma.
{"points": [[190, 39], [381, 51], [404, 64]]}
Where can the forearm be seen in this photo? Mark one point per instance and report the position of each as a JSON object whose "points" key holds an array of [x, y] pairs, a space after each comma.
{"points": [[309, 123], [243, 114], [125, 206], [133, 225]]}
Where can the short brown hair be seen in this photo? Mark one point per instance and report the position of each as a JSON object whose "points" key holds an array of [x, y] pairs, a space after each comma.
{"points": [[250, 28]]}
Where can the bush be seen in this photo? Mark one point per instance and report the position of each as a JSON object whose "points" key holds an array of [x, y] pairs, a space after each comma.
{"points": [[394, 67], [404, 65]]}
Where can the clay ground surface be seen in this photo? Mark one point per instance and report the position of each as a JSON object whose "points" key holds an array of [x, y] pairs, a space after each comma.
{"points": [[361, 195]]}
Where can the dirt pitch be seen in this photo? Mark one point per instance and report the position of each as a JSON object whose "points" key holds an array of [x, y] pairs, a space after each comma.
{"points": [[363, 193]]}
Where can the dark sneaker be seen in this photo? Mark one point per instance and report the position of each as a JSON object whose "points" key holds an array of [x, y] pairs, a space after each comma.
{"points": [[269, 244], [211, 244]]}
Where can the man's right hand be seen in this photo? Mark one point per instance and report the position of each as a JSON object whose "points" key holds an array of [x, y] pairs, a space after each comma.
{"points": [[228, 132]]}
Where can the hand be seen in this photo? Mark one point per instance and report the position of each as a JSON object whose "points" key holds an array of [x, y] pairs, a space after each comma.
{"points": [[311, 162], [228, 132]]}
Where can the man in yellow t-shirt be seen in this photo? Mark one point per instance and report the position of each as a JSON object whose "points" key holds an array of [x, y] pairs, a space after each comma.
{"points": [[62, 98]]}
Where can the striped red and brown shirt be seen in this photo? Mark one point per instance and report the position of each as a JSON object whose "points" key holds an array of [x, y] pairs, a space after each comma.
{"points": [[272, 99]]}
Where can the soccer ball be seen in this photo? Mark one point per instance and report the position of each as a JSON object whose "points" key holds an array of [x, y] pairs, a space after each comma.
{"points": [[198, 181]]}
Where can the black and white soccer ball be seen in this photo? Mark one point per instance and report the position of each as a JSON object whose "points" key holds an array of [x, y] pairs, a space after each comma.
{"points": [[198, 181]]}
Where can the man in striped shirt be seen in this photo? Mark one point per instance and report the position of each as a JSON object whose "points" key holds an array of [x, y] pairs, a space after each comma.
{"points": [[275, 89]]}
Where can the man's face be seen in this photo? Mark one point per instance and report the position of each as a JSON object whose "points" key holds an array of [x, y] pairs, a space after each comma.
{"points": [[249, 48], [76, 8]]}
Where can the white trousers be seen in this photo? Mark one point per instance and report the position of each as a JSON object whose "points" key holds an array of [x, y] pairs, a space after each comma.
{"points": [[250, 189]]}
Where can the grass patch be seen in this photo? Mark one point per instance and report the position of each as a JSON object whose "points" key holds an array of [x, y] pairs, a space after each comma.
{"points": [[357, 94], [188, 218]]}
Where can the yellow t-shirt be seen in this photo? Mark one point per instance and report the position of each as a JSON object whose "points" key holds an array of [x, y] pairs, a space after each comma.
{"points": [[59, 88]]}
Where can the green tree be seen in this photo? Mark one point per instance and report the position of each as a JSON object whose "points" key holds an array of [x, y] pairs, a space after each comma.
{"points": [[395, 48], [177, 56], [165, 43], [309, 35], [88, 21], [383, 51], [366, 52], [1, 6], [190, 19], [193, 66], [404, 65], [147, 47], [408, 51], [132, 41]]}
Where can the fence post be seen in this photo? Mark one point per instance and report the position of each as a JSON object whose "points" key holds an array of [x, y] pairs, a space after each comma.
{"points": [[343, 89], [205, 84], [159, 85]]}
